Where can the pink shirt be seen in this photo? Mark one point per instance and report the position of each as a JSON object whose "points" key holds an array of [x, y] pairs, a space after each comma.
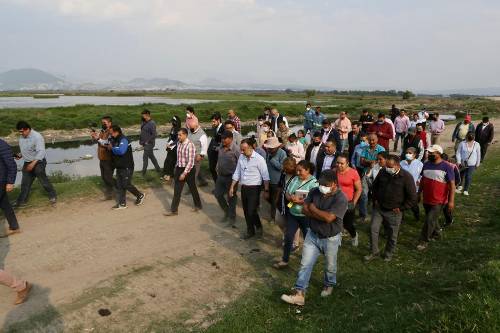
{"points": [[344, 127], [401, 124], [191, 122]]}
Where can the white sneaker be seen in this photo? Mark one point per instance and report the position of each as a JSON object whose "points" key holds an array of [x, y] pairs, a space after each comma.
{"points": [[355, 241], [327, 291], [466, 193], [458, 190]]}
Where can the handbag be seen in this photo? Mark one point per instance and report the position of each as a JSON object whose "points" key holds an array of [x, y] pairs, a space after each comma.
{"points": [[465, 163]]}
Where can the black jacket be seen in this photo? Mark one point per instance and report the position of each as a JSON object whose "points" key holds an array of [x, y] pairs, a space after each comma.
{"points": [[334, 136], [125, 161], [408, 142], [394, 191], [216, 140], [320, 159], [486, 135], [309, 150], [275, 122], [8, 167]]}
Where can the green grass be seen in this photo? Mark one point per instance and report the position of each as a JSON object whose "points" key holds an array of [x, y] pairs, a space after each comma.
{"points": [[452, 287], [247, 105]]}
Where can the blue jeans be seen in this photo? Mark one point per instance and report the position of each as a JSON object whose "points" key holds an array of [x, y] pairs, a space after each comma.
{"points": [[466, 175], [313, 246]]}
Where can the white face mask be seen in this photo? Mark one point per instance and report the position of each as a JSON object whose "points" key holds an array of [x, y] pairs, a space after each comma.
{"points": [[188, 115], [308, 109], [265, 129], [409, 157], [390, 171], [325, 189], [260, 122]]}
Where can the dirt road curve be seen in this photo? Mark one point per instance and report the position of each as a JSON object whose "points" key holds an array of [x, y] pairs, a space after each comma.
{"points": [[143, 266]]}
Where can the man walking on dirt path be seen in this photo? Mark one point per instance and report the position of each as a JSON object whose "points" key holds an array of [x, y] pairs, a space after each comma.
{"points": [[251, 171], [228, 155], [8, 171], [147, 141], [123, 161], [185, 171], [105, 156], [21, 287], [32, 146]]}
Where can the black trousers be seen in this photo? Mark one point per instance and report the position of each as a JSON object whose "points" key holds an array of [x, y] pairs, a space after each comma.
{"points": [[212, 163], [222, 186], [124, 184], [250, 198], [484, 148], [349, 217], [273, 193], [107, 171], [28, 178], [170, 160], [179, 185], [7, 208]]}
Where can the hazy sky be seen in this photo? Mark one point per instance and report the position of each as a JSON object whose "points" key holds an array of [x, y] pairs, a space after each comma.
{"points": [[419, 44]]}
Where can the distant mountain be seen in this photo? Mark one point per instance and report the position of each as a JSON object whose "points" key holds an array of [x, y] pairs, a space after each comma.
{"points": [[149, 84], [31, 79], [488, 91]]}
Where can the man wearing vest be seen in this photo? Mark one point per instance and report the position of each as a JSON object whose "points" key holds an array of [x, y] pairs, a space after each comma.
{"points": [[413, 140], [105, 156], [276, 119], [123, 161]]}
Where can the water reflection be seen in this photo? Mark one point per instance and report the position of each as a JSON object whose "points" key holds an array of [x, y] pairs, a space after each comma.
{"points": [[79, 158]]}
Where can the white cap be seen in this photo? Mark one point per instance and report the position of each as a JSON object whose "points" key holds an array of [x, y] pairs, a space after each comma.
{"points": [[435, 148]]}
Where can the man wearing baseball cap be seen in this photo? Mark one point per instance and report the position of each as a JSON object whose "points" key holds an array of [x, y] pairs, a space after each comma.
{"points": [[461, 130], [437, 189]]}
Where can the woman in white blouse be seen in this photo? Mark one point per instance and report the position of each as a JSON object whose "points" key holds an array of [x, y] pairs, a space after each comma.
{"points": [[468, 159]]}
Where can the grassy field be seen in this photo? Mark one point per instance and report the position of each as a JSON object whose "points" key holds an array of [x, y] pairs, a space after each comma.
{"points": [[248, 107], [452, 287]]}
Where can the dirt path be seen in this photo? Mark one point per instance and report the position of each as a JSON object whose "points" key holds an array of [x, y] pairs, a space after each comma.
{"points": [[142, 266]]}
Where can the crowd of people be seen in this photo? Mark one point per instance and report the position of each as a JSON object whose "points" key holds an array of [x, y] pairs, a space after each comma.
{"points": [[316, 180]]}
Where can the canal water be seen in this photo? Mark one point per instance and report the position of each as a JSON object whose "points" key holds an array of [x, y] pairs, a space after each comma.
{"points": [[79, 158]]}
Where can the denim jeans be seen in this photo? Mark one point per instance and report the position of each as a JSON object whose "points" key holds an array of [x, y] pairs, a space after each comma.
{"points": [[313, 246], [363, 199], [466, 175], [293, 223]]}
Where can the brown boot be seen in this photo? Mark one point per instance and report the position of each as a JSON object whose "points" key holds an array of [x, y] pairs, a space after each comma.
{"points": [[297, 298], [22, 295]]}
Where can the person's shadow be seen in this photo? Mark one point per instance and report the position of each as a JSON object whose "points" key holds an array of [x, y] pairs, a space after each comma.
{"points": [[37, 314]]}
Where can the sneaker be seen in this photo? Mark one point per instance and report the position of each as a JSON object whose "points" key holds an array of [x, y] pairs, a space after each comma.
{"points": [[140, 199], [53, 202], [371, 256], [422, 246], [327, 291], [196, 209], [22, 295], [297, 298], [387, 257], [466, 193], [280, 265], [459, 189], [118, 207], [355, 240]]}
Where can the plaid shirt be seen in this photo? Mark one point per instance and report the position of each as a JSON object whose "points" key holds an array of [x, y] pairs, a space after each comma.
{"points": [[237, 123], [185, 155]]}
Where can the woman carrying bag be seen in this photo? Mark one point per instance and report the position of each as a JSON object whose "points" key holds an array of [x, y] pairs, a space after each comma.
{"points": [[295, 194], [468, 159]]}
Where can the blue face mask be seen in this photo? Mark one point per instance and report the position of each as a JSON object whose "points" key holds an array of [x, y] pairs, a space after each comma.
{"points": [[363, 144]]}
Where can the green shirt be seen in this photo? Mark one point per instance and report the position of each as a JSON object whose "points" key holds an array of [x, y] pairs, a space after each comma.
{"points": [[302, 185]]}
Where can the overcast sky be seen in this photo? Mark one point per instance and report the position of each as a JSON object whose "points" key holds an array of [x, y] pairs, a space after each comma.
{"points": [[401, 44]]}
